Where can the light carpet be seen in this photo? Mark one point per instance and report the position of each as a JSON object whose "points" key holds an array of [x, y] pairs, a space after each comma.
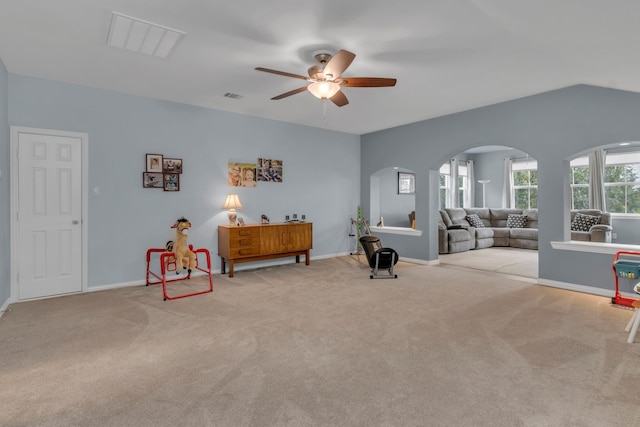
{"points": [[514, 261], [322, 345]]}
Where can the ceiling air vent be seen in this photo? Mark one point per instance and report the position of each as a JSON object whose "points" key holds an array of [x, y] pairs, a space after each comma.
{"points": [[140, 36], [232, 95]]}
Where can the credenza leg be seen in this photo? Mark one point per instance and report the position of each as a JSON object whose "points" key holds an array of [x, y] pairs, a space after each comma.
{"points": [[222, 269], [306, 258], [230, 268]]}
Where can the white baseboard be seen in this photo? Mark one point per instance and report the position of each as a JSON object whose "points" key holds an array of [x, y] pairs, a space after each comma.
{"points": [[137, 282], [237, 267], [5, 306], [282, 261], [578, 288]]}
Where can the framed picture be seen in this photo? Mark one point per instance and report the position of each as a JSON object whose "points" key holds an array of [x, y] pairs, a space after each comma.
{"points": [[151, 180], [406, 183], [154, 163], [269, 170], [171, 165], [171, 182], [241, 174]]}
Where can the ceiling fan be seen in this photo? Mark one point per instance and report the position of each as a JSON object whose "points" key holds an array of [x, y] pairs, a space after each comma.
{"points": [[326, 79]]}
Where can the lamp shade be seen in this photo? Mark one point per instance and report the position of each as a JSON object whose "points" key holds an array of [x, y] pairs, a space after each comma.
{"points": [[232, 202], [323, 90]]}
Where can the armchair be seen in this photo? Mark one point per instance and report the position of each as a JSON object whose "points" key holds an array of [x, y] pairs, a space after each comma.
{"points": [[600, 232], [454, 238]]}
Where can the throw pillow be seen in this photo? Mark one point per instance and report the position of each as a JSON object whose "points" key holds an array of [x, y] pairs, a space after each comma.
{"points": [[582, 222], [474, 220], [516, 221]]}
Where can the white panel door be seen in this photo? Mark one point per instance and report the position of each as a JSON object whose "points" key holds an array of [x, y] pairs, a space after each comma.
{"points": [[49, 215]]}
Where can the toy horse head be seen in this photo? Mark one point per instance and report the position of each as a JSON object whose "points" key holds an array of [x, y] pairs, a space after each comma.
{"points": [[182, 225]]}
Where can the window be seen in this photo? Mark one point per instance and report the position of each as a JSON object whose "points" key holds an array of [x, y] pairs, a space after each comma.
{"points": [[621, 186], [445, 188], [580, 183], [525, 184], [622, 183]]}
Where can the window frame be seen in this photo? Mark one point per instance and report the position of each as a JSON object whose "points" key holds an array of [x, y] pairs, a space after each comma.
{"points": [[445, 171], [618, 158], [522, 166]]}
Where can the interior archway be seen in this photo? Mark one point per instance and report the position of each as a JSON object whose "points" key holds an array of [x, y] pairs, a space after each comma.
{"points": [[387, 202], [621, 189], [482, 173]]}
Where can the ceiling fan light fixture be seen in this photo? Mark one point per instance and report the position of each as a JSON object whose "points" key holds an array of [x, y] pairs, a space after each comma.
{"points": [[323, 90]]}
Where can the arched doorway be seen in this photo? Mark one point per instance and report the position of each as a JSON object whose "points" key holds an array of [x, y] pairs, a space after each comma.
{"points": [[494, 182]]}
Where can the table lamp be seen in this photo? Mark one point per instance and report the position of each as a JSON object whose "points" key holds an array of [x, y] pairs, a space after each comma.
{"points": [[232, 203]]}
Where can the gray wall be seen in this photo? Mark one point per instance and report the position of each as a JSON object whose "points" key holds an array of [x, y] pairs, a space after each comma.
{"points": [[321, 171], [552, 127], [627, 230], [5, 284], [491, 166], [394, 207]]}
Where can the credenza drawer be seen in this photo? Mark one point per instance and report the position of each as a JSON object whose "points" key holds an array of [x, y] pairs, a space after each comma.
{"points": [[244, 241], [244, 232], [235, 252]]}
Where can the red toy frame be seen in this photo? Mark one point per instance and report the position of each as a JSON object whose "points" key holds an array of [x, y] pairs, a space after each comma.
{"points": [[618, 298], [166, 266]]}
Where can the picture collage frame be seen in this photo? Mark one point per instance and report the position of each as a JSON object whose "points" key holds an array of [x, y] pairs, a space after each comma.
{"points": [[249, 174], [162, 172]]}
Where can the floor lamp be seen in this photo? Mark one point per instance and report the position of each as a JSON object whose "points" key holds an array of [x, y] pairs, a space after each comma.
{"points": [[484, 182]]}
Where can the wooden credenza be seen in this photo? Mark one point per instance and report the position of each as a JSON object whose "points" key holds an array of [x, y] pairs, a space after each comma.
{"points": [[263, 241]]}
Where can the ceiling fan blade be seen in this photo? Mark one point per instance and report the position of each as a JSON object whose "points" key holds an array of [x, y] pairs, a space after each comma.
{"points": [[340, 99], [291, 92], [367, 82], [338, 63], [282, 73]]}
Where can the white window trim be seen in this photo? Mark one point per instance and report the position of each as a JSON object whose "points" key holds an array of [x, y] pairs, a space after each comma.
{"points": [[611, 159], [593, 247], [529, 165]]}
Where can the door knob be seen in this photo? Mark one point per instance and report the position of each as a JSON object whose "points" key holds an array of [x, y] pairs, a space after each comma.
{"points": [[75, 222]]}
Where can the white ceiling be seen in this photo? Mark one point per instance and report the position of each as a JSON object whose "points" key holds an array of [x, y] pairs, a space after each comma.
{"points": [[448, 55]]}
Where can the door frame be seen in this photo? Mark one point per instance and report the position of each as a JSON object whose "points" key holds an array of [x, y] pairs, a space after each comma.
{"points": [[84, 139]]}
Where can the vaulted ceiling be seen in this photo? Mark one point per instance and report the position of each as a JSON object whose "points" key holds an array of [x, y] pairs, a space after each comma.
{"points": [[448, 55]]}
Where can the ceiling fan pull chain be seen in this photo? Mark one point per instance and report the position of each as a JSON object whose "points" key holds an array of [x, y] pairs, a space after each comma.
{"points": [[324, 111]]}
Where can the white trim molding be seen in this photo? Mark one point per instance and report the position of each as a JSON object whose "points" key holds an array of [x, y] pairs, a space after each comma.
{"points": [[593, 247], [13, 143], [397, 230]]}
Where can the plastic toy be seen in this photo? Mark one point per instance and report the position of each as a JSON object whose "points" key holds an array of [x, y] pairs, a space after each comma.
{"points": [[185, 258]]}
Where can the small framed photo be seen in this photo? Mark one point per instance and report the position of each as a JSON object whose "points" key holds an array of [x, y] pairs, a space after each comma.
{"points": [[151, 180], [154, 163], [406, 183], [240, 222], [171, 182], [171, 165]]}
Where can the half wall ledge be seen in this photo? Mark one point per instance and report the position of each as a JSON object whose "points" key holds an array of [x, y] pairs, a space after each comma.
{"points": [[396, 230], [593, 247]]}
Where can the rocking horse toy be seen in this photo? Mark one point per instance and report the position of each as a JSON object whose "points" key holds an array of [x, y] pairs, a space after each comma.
{"points": [[180, 254], [184, 257]]}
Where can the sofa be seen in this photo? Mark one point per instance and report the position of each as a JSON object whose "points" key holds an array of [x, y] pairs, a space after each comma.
{"points": [[459, 230]]}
